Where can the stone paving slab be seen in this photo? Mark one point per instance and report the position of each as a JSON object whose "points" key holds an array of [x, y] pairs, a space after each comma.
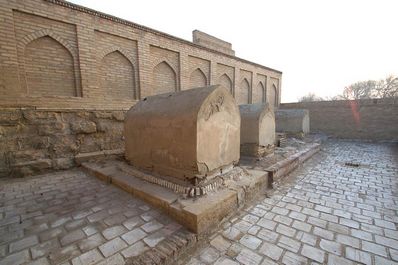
{"points": [[329, 211], [221, 198], [326, 212], [69, 217]]}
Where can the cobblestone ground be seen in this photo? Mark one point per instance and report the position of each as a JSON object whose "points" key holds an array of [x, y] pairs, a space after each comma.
{"points": [[71, 218], [326, 213]]}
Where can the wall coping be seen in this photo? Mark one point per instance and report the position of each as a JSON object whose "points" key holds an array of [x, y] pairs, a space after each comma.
{"points": [[60, 109], [150, 30], [361, 102]]}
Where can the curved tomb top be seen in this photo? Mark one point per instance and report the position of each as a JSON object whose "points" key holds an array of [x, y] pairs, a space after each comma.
{"points": [[184, 136], [257, 124], [292, 112], [292, 120]]}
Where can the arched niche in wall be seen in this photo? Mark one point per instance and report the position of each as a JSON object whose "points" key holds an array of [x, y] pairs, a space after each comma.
{"points": [[49, 68], [226, 82], [273, 96], [117, 76], [164, 78], [197, 79], [244, 92], [259, 93]]}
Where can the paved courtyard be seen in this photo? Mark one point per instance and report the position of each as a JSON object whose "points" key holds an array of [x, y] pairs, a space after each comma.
{"points": [[326, 212], [71, 218]]}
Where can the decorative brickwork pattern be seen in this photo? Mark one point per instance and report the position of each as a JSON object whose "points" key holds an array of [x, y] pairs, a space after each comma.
{"points": [[49, 68], [47, 56], [117, 76], [72, 64], [200, 72], [243, 96], [226, 82], [245, 89], [117, 67], [198, 79], [274, 95], [259, 93], [35, 34], [164, 79]]}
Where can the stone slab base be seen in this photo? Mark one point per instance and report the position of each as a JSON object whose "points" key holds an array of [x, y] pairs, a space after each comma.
{"points": [[284, 167], [169, 251], [198, 214], [201, 214], [255, 150]]}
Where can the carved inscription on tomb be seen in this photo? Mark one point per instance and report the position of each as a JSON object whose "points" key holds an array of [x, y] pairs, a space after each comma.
{"points": [[213, 107]]}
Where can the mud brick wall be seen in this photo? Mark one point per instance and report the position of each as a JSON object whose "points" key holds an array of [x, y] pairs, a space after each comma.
{"points": [[55, 54], [68, 74], [374, 119], [35, 141]]}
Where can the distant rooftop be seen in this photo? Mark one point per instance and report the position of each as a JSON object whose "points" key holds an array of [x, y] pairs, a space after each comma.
{"points": [[206, 40]]}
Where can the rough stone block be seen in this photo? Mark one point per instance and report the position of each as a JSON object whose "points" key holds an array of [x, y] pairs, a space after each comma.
{"points": [[83, 126], [40, 117], [52, 129], [9, 117], [63, 163]]}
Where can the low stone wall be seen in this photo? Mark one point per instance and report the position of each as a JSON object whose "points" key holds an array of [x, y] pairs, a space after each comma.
{"points": [[373, 119], [34, 141]]}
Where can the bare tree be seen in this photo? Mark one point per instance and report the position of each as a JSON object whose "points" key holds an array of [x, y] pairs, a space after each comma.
{"points": [[359, 90], [310, 97], [385, 88]]}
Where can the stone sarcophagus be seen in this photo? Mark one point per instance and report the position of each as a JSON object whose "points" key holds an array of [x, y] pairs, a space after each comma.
{"points": [[257, 133], [185, 137], [292, 121]]}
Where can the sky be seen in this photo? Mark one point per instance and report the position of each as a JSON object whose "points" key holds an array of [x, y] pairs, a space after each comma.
{"points": [[321, 46]]}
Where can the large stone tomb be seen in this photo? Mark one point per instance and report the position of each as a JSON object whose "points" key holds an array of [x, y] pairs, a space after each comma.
{"points": [[257, 131], [292, 121], [187, 137]]}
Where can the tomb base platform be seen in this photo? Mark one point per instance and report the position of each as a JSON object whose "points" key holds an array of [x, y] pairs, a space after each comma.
{"points": [[201, 214], [198, 214]]}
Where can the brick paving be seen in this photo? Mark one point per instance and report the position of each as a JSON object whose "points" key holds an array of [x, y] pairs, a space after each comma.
{"points": [[71, 218], [324, 213]]}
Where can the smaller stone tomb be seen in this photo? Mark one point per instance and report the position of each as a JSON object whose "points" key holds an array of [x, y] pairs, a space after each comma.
{"points": [[187, 137], [292, 121], [257, 131]]}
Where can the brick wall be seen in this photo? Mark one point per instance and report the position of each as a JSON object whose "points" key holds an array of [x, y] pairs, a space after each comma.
{"points": [[374, 119], [259, 92], [60, 55], [212, 42], [68, 74]]}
